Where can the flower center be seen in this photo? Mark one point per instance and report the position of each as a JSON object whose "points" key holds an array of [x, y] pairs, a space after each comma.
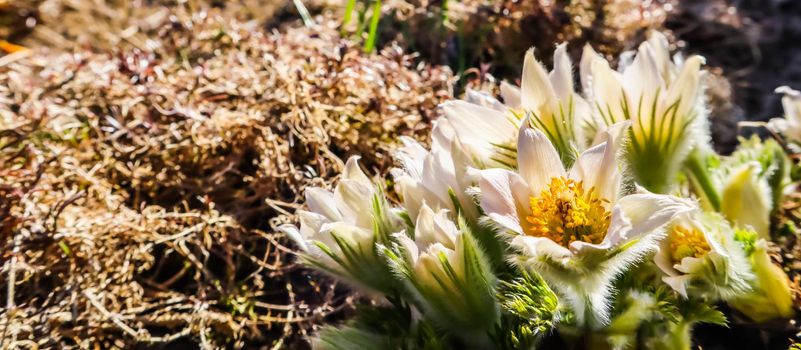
{"points": [[687, 242], [566, 212]]}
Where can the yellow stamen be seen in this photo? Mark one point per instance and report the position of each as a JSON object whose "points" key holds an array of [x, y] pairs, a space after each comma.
{"points": [[566, 212], [686, 242]]}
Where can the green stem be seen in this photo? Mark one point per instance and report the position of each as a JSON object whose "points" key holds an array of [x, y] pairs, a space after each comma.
{"points": [[698, 171]]}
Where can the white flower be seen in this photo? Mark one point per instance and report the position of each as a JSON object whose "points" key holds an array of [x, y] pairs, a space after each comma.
{"points": [[338, 232], [447, 272], [574, 227], [436, 177], [700, 257], [550, 101], [485, 133], [664, 101], [790, 125]]}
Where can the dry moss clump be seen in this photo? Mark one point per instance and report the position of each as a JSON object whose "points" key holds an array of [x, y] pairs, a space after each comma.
{"points": [[140, 187]]}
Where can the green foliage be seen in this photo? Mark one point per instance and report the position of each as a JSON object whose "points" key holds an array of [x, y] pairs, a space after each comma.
{"points": [[747, 239], [369, 44], [530, 310], [372, 26], [382, 327]]}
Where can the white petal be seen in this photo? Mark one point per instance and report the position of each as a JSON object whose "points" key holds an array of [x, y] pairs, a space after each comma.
{"points": [[791, 125], [357, 237], [353, 172], [478, 126], [536, 89], [485, 100], [321, 201], [642, 81], [607, 90], [661, 48], [678, 283], [636, 215], [510, 95], [439, 178], [791, 102], [663, 260], [562, 75], [648, 211], [442, 134], [504, 197], [537, 159], [355, 201], [687, 87], [412, 193], [540, 246], [432, 227], [294, 235], [410, 250], [311, 224], [411, 156], [619, 231], [588, 57], [598, 168]]}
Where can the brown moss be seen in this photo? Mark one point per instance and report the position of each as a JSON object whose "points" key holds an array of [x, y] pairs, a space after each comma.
{"points": [[140, 187]]}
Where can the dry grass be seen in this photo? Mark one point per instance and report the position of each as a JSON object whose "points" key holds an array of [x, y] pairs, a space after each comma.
{"points": [[139, 188]]}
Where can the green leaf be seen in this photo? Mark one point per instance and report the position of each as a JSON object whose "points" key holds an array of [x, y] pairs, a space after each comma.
{"points": [[372, 34]]}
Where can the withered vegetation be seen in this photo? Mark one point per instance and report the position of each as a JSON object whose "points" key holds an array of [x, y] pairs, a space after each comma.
{"points": [[140, 187]]}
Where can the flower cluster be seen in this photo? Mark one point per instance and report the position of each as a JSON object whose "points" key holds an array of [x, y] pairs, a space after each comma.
{"points": [[602, 213]]}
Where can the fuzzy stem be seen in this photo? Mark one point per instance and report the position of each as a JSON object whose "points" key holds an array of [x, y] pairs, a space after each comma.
{"points": [[698, 171]]}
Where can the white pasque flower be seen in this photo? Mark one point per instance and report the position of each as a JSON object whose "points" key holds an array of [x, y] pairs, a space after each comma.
{"points": [[338, 232], [487, 129], [790, 125], [664, 101], [447, 272], [575, 228], [433, 177], [550, 101], [484, 129], [700, 257]]}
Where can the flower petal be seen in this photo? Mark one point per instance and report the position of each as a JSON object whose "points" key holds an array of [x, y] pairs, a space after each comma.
{"points": [[686, 88], [474, 122], [432, 227], [642, 81], [504, 196], [353, 172], [355, 201], [540, 246], [321, 201], [536, 89], [607, 92], [484, 99], [598, 168], [562, 75], [537, 159], [479, 128], [648, 211], [510, 95], [294, 235]]}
